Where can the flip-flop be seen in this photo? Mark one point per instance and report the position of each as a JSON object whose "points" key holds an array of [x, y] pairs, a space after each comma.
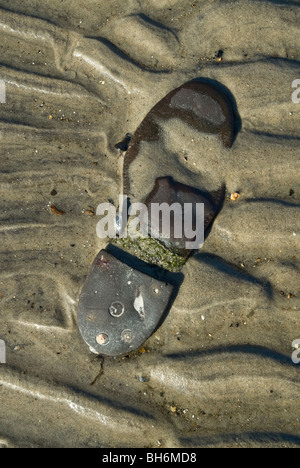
{"points": [[133, 282]]}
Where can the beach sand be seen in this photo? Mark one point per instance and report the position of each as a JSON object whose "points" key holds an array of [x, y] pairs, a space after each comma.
{"points": [[79, 77]]}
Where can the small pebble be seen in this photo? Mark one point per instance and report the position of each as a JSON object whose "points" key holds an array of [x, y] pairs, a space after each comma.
{"points": [[234, 196], [89, 211], [142, 378]]}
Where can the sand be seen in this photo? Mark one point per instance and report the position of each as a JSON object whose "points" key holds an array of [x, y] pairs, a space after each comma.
{"points": [[79, 76]]}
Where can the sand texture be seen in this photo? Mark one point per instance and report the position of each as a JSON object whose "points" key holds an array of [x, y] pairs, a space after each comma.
{"points": [[80, 76]]}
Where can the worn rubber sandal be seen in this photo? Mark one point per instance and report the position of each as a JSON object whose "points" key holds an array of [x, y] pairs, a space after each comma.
{"points": [[133, 282]]}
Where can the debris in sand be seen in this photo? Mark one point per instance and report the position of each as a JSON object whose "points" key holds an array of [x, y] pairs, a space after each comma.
{"points": [[89, 211], [234, 196], [56, 211]]}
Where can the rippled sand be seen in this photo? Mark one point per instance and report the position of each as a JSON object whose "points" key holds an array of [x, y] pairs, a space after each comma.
{"points": [[79, 76]]}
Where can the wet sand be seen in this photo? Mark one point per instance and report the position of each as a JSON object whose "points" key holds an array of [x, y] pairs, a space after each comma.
{"points": [[79, 77]]}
